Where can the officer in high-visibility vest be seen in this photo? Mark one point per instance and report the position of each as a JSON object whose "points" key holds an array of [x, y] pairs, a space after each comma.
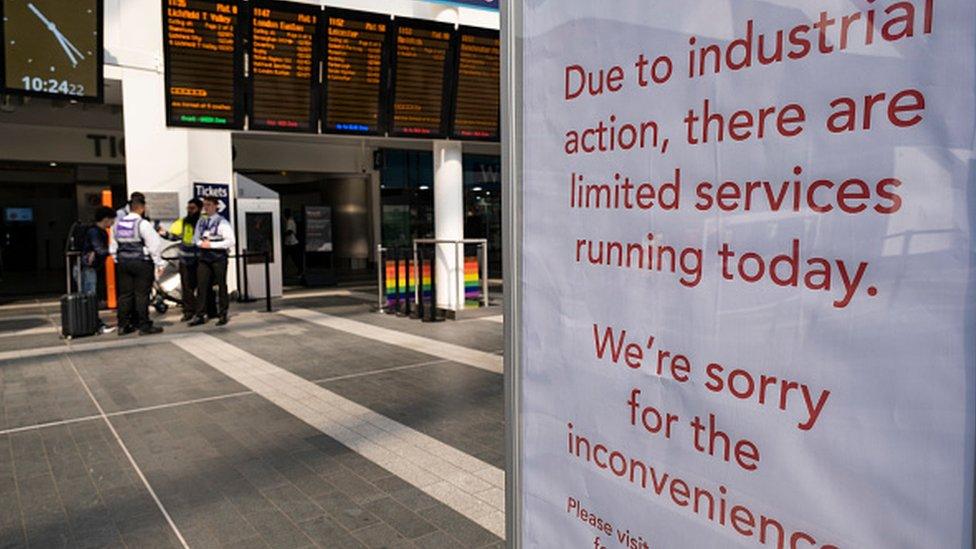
{"points": [[182, 231], [137, 248], [215, 238]]}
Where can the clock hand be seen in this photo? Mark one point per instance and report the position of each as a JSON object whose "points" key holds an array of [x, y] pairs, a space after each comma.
{"points": [[67, 50], [40, 16], [72, 52], [64, 40]]}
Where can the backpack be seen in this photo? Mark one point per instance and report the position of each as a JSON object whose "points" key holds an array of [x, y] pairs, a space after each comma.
{"points": [[77, 235]]}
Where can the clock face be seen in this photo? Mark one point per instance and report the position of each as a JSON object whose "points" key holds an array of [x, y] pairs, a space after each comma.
{"points": [[52, 47]]}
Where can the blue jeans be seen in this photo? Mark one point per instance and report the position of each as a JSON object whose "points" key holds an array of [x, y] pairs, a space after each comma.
{"points": [[87, 279]]}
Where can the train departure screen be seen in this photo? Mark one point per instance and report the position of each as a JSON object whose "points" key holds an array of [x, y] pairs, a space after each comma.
{"points": [[203, 68], [283, 67], [355, 75], [423, 55], [476, 101]]}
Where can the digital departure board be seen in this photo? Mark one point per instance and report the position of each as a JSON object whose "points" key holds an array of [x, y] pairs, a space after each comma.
{"points": [[422, 64], [357, 62], [284, 66], [204, 65], [52, 48], [478, 85]]}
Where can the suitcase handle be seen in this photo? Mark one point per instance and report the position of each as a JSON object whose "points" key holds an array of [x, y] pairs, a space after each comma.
{"points": [[69, 271]]}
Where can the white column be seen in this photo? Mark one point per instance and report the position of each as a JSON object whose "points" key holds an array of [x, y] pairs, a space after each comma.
{"points": [[158, 158], [449, 223]]}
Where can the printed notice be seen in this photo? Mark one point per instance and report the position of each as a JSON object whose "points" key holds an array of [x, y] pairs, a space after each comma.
{"points": [[748, 274]]}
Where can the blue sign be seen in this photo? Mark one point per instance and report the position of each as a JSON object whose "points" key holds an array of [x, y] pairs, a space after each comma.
{"points": [[219, 191], [480, 4]]}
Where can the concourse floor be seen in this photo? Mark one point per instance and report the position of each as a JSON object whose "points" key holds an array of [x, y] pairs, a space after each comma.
{"points": [[322, 424]]}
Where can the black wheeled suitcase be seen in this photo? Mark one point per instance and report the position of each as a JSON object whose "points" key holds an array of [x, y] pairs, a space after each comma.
{"points": [[79, 315]]}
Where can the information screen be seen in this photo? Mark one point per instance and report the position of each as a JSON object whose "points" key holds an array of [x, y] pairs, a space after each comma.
{"points": [[52, 48], [357, 46], [283, 67], [477, 95], [259, 227], [318, 229], [422, 62], [203, 69]]}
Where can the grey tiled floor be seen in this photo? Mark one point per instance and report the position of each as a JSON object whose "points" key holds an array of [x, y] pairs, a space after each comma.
{"points": [[230, 468]]}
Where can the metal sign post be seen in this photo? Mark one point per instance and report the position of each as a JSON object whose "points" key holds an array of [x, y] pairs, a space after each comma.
{"points": [[511, 116]]}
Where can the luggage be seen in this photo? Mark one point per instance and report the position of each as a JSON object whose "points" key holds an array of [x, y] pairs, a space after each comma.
{"points": [[79, 315]]}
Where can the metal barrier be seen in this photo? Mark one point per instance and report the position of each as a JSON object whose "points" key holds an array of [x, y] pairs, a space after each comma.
{"points": [[417, 265], [459, 282], [388, 278], [245, 295]]}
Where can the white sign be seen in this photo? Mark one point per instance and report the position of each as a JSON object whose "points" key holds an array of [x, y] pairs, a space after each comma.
{"points": [[747, 293], [164, 206]]}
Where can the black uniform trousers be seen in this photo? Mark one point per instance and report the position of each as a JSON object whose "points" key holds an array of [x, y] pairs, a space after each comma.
{"points": [[208, 274], [135, 281], [188, 285]]}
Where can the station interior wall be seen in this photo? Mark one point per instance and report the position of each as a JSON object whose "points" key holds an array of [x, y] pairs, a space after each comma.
{"points": [[87, 143]]}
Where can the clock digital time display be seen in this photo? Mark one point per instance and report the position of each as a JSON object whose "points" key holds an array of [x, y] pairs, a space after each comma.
{"points": [[52, 48]]}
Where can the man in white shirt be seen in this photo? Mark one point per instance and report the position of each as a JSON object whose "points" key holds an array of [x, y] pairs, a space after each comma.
{"points": [[137, 249], [292, 248], [215, 238]]}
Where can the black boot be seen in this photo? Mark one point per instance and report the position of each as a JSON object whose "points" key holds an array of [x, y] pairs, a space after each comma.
{"points": [[223, 320], [198, 321]]}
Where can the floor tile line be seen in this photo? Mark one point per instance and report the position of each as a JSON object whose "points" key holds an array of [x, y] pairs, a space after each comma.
{"points": [[143, 409], [448, 351], [111, 342], [25, 428], [362, 296], [36, 304], [31, 331], [128, 455], [347, 422], [380, 371]]}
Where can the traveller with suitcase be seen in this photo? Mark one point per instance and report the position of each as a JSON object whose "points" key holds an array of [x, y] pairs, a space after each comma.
{"points": [[86, 254]]}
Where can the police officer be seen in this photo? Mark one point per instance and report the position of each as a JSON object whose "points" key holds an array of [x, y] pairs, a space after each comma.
{"points": [[137, 248], [125, 209], [215, 238], [182, 231]]}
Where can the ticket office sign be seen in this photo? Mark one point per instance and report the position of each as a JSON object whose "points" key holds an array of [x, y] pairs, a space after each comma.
{"points": [[748, 273]]}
